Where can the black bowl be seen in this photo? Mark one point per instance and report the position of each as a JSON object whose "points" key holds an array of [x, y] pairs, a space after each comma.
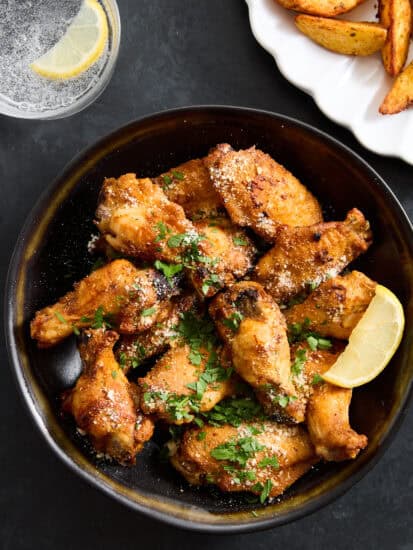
{"points": [[51, 253]]}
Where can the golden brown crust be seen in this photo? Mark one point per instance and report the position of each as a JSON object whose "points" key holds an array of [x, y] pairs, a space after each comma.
{"points": [[289, 445], [260, 193], [105, 404], [253, 328], [304, 256], [109, 290], [190, 186], [169, 378], [327, 416], [336, 306], [129, 213]]}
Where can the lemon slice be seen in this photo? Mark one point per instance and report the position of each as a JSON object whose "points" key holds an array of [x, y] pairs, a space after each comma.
{"points": [[372, 343], [81, 45]]}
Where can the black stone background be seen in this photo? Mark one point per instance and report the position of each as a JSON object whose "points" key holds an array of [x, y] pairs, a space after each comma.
{"points": [[173, 53]]}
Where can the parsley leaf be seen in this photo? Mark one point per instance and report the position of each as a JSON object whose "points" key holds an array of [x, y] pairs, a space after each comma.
{"points": [[269, 461], [169, 270], [299, 362], [233, 321], [148, 312], [239, 241]]}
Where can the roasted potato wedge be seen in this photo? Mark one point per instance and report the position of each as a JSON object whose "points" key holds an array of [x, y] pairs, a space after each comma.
{"points": [[401, 93], [326, 8], [346, 37], [396, 16]]}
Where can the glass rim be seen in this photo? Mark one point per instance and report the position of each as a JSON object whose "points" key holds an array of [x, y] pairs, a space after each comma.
{"points": [[112, 12]]}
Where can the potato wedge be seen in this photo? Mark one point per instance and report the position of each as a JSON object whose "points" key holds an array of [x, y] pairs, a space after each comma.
{"points": [[401, 93], [326, 8], [346, 37], [396, 16]]}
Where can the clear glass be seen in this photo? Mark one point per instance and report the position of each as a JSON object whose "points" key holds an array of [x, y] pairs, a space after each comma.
{"points": [[96, 79]]}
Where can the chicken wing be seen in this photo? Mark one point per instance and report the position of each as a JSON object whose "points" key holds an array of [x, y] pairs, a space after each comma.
{"points": [[327, 416], [263, 458], [117, 294], [182, 383], [137, 219], [307, 256], [335, 307], [105, 404], [136, 348], [252, 326], [260, 193], [190, 186]]}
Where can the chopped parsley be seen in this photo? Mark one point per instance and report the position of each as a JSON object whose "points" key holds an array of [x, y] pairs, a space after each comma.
{"points": [[317, 379], [239, 241], [264, 490], [114, 374], [133, 361], [201, 436], [299, 362], [237, 451], [234, 411], [178, 175], [212, 281], [269, 461], [148, 312], [233, 321], [300, 332], [167, 180], [100, 319], [169, 270], [60, 317], [163, 230]]}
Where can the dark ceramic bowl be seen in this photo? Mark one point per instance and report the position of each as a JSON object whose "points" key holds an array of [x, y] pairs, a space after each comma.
{"points": [[51, 253]]}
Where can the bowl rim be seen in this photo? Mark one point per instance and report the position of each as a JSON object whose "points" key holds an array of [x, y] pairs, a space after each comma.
{"points": [[255, 524]]}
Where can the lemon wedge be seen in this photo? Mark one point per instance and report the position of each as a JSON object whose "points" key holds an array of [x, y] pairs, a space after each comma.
{"points": [[372, 343], [80, 47]]}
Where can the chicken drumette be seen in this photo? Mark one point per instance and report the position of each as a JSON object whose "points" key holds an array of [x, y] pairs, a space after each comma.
{"points": [[252, 326], [105, 404]]}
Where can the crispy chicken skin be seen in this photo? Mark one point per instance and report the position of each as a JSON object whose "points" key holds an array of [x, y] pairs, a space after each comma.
{"points": [[137, 219], [336, 306], [168, 382], [129, 213], [260, 193], [309, 255], [136, 348], [289, 445], [252, 326], [327, 416], [232, 251], [190, 186], [105, 404], [119, 289]]}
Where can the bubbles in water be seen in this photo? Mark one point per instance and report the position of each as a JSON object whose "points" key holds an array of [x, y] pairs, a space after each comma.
{"points": [[27, 30]]}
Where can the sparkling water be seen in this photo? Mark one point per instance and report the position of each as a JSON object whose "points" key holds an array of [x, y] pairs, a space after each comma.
{"points": [[28, 29]]}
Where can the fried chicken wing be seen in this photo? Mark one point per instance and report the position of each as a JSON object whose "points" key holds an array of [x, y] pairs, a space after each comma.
{"points": [[190, 186], [136, 218], [105, 404], [247, 458], [252, 326], [336, 306], [260, 193], [182, 383], [115, 294], [136, 348], [327, 416], [304, 256]]}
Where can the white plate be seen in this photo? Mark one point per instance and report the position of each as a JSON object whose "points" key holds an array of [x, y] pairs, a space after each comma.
{"points": [[349, 90]]}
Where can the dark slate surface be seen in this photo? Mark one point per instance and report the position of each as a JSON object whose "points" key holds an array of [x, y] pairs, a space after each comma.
{"points": [[174, 53]]}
